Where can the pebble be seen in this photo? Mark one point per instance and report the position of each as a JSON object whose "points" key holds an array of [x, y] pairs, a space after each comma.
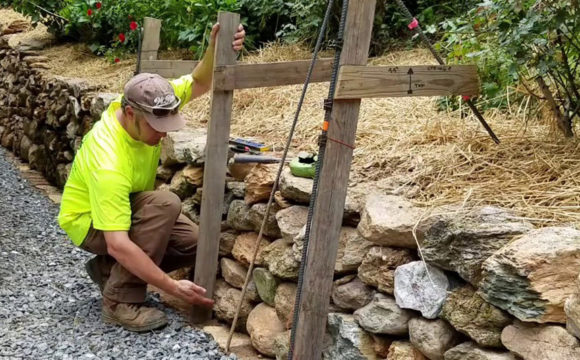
{"points": [[50, 309]]}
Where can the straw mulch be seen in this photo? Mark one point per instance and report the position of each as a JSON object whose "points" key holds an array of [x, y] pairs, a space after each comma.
{"points": [[404, 145]]}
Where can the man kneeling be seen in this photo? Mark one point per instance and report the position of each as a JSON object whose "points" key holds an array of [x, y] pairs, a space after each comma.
{"points": [[109, 207]]}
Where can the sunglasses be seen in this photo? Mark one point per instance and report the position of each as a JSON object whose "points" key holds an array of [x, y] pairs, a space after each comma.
{"points": [[156, 110]]}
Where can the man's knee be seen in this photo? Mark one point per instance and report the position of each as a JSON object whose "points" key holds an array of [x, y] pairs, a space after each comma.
{"points": [[167, 201]]}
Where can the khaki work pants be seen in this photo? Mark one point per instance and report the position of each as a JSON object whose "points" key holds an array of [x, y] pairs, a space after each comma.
{"points": [[160, 230]]}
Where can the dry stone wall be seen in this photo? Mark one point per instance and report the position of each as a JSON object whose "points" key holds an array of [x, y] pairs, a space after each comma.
{"points": [[493, 288]]}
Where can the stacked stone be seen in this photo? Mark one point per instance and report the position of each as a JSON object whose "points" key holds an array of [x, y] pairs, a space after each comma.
{"points": [[43, 118]]}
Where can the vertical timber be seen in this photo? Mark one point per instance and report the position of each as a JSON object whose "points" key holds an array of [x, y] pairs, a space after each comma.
{"points": [[214, 177], [151, 33], [328, 212]]}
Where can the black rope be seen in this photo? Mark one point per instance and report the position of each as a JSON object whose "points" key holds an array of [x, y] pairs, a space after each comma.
{"points": [[441, 62], [322, 150]]}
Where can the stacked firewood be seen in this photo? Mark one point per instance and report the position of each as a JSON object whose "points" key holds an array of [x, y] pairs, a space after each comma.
{"points": [[42, 117]]}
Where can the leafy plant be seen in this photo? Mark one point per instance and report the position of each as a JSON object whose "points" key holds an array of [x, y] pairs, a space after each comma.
{"points": [[535, 43]]}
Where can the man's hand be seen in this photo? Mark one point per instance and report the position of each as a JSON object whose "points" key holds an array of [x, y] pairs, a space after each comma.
{"points": [[192, 293], [239, 37]]}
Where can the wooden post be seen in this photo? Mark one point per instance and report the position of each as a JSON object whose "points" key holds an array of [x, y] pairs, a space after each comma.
{"points": [[150, 44], [214, 177], [328, 211]]}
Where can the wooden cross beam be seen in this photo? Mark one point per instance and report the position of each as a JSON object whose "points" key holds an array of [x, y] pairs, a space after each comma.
{"points": [[355, 81]]}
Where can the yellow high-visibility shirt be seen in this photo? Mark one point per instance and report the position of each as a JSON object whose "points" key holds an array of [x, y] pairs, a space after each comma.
{"points": [[108, 167]]}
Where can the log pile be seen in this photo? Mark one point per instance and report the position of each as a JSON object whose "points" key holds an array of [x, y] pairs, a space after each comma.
{"points": [[42, 117]]}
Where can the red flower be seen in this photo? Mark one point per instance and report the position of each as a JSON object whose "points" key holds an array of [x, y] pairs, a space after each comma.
{"points": [[90, 12], [117, 60], [99, 5], [133, 25], [122, 37]]}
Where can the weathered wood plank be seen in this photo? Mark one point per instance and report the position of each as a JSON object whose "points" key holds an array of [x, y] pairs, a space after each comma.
{"points": [[170, 69], [328, 210], [214, 177], [247, 76], [356, 82], [150, 43]]}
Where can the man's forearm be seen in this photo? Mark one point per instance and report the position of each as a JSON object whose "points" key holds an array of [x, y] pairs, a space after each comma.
{"points": [[136, 261], [203, 72]]}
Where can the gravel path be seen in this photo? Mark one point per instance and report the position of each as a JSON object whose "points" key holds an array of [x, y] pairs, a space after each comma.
{"points": [[49, 309]]}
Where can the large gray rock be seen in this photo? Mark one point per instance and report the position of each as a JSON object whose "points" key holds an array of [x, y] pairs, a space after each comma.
{"points": [[532, 276], [432, 337], [469, 351], [100, 102], [461, 242], [264, 326], [379, 264], [294, 188], [266, 284], [280, 260], [383, 316], [471, 315], [422, 288], [291, 221], [239, 216], [389, 220], [257, 214], [540, 342], [227, 241], [352, 295], [186, 146], [349, 341]]}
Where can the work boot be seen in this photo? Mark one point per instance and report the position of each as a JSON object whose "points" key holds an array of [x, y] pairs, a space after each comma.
{"points": [[133, 317], [94, 271]]}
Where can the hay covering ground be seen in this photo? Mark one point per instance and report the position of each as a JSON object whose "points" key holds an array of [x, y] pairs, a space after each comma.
{"points": [[403, 144]]}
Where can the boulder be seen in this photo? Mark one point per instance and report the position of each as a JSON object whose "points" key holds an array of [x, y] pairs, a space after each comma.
{"points": [[284, 303], [352, 295], [349, 341], [533, 275], [186, 146], [470, 351], [181, 186], [239, 171], [238, 188], [379, 264], [540, 342], [291, 221], [432, 337], [572, 310], [227, 241], [294, 188], [266, 284], [259, 183], [226, 302], [233, 272], [264, 326], [245, 246], [389, 220], [352, 248], [403, 350], [421, 287], [352, 210], [461, 242], [241, 344], [280, 260], [257, 214], [383, 316], [100, 102], [468, 313], [282, 345], [239, 216]]}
